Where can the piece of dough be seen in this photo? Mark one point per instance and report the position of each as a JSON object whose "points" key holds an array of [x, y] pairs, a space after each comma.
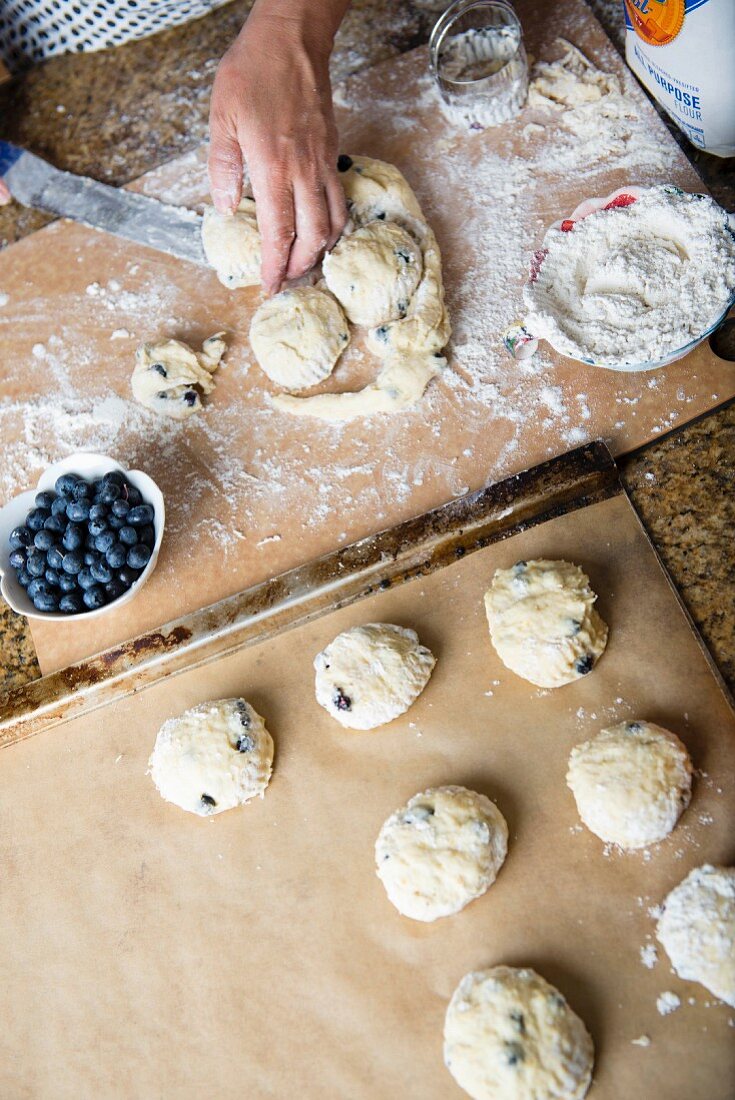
{"points": [[510, 1035], [410, 346], [298, 336], [399, 385], [370, 674], [213, 757], [631, 783], [440, 851], [232, 244], [167, 375], [697, 929], [543, 623], [373, 272]]}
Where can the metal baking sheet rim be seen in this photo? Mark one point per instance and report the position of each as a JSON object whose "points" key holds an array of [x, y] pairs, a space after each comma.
{"points": [[414, 548]]}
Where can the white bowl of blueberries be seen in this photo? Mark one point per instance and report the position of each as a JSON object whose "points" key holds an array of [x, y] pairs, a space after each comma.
{"points": [[86, 539]]}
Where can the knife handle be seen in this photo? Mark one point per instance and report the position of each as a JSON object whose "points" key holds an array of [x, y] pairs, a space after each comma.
{"points": [[9, 154]]}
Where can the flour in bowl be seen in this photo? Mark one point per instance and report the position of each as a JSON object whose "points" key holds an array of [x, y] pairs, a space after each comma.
{"points": [[632, 284]]}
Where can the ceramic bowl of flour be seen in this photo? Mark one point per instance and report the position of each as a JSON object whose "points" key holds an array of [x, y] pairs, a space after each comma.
{"points": [[637, 294], [88, 466]]}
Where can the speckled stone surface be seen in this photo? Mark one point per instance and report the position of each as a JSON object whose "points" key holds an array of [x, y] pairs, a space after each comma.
{"points": [[117, 114]]}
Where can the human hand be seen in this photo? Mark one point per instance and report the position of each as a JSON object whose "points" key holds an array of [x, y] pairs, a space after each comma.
{"points": [[272, 105], [5, 196]]}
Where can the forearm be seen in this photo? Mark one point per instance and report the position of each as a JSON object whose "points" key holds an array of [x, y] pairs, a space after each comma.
{"points": [[312, 22]]}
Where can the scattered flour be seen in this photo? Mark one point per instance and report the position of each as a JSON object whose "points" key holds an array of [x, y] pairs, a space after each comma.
{"points": [[649, 955], [667, 1003], [641, 1041]]}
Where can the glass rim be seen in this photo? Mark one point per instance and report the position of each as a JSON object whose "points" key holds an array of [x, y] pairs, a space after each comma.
{"points": [[444, 24]]}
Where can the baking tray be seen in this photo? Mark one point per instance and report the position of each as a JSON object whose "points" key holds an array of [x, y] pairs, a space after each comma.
{"points": [[157, 954]]}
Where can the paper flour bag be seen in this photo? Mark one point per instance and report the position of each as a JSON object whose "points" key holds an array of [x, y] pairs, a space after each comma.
{"points": [[684, 53]]}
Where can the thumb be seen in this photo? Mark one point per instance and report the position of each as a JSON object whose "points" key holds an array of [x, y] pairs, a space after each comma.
{"points": [[225, 169]]}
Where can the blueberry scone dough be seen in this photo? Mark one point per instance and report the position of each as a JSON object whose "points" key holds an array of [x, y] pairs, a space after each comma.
{"points": [[543, 623], [169, 374], [510, 1035], [697, 929], [440, 851], [373, 272], [410, 346], [298, 336], [231, 243], [631, 783], [370, 674], [213, 757]]}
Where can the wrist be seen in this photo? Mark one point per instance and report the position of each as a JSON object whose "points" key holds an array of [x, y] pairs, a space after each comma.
{"points": [[303, 24]]}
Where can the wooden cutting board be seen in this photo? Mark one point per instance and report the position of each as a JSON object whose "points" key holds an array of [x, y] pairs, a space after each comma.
{"points": [[250, 491]]}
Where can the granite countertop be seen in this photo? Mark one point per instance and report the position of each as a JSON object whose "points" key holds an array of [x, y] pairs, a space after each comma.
{"points": [[117, 114]]}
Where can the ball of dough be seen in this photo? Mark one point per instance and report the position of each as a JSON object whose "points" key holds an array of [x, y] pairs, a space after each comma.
{"points": [[373, 272], [167, 375], [213, 757], [232, 244], [370, 674], [543, 623], [510, 1035], [298, 336], [440, 852], [697, 929], [631, 783]]}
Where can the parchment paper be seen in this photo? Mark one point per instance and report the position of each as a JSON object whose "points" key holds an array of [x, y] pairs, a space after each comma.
{"points": [[149, 953], [251, 492]]}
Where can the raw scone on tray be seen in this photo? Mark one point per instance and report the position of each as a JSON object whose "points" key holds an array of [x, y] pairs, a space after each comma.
{"points": [[543, 623], [440, 851]]}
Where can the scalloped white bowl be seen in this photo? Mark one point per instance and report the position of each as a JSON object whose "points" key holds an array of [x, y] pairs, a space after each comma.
{"points": [[89, 466]]}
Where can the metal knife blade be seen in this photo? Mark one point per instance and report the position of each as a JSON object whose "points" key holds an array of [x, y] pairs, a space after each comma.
{"points": [[34, 182]]}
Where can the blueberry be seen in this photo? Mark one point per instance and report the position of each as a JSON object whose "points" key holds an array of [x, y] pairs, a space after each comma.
{"points": [[24, 578], [90, 541], [45, 500], [54, 557], [128, 576], [140, 515], [52, 577], [120, 507], [117, 555], [114, 588], [56, 523], [36, 563], [128, 536], [67, 583], [44, 540], [341, 701], [116, 522], [82, 490], [39, 587], [96, 527], [584, 664], [85, 579], [65, 484], [190, 397], [58, 508], [36, 518], [109, 491], [20, 536], [101, 572], [18, 558], [104, 541], [78, 510], [138, 556], [73, 537], [72, 562], [91, 555], [46, 601], [98, 511], [147, 535], [159, 369], [72, 603], [134, 495], [95, 597], [344, 163], [113, 477]]}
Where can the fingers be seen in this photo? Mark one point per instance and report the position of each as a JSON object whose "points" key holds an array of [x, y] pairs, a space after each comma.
{"points": [[337, 208], [5, 196], [225, 168], [276, 222], [313, 228]]}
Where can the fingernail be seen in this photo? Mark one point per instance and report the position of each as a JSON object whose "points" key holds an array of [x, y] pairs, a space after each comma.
{"points": [[224, 201]]}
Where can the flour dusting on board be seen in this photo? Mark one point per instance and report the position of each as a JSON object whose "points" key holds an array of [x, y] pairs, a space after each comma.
{"points": [[235, 470]]}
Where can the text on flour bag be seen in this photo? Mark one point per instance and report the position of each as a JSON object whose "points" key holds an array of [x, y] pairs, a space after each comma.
{"points": [[683, 51]]}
